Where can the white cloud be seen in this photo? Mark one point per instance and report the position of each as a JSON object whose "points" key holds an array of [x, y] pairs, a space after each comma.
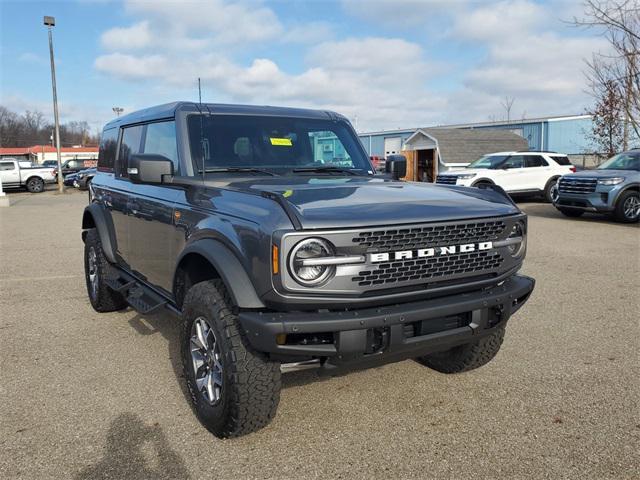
{"points": [[134, 37]]}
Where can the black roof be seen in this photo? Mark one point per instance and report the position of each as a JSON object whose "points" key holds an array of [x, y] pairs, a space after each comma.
{"points": [[169, 110]]}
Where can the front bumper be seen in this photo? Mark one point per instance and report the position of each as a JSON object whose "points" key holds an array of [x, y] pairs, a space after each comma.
{"points": [[602, 200], [380, 335]]}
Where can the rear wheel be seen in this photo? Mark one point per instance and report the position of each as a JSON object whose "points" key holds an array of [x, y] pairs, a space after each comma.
{"points": [[551, 191], [234, 389], [628, 207], [570, 212], [35, 185], [465, 357]]}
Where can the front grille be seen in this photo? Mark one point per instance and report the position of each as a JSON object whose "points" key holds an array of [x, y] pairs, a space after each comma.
{"points": [[577, 185], [429, 236], [428, 268], [446, 179]]}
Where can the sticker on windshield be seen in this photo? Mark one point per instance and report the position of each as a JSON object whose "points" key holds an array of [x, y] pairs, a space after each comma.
{"points": [[281, 142]]}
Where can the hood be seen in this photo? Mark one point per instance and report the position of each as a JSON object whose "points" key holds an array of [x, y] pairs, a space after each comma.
{"points": [[595, 173], [338, 202]]}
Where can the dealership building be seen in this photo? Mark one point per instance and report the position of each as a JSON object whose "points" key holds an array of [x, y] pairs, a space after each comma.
{"points": [[566, 134]]}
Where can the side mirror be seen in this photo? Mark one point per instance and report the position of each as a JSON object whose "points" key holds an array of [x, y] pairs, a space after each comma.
{"points": [[397, 166], [148, 167]]}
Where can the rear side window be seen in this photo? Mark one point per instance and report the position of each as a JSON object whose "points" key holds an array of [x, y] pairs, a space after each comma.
{"points": [[131, 139], [515, 161], [107, 153], [536, 161], [161, 139], [7, 165], [561, 160]]}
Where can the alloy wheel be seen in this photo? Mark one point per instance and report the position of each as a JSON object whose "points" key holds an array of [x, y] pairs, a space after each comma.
{"points": [[206, 361], [631, 207], [93, 272]]}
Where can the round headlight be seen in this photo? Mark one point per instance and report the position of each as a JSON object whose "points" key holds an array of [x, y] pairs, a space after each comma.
{"points": [[301, 262], [517, 232]]}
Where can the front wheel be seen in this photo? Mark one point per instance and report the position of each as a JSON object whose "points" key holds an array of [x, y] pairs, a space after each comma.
{"points": [[234, 389], [465, 357], [628, 207], [35, 185]]}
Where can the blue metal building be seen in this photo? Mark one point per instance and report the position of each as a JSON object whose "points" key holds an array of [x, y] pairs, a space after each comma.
{"points": [[568, 134]]}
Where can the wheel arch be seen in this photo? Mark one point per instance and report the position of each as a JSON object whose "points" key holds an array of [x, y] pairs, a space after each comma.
{"points": [[208, 259], [633, 187], [32, 177], [483, 180], [95, 217]]}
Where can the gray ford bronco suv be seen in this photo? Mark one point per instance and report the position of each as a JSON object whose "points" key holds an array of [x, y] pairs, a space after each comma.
{"points": [[269, 233]]}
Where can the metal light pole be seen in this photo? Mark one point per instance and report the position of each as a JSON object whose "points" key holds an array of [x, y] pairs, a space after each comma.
{"points": [[117, 110], [50, 22]]}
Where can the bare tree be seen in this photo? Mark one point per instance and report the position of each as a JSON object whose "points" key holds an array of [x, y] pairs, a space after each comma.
{"points": [[507, 103], [619, 23], [607, 131]]}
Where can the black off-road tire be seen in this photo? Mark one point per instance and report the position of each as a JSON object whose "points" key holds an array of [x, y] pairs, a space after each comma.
{"points": [[570, 212], [547, 195], [35, 185], [619, 212], [465, 357], [251, 384], [103, 298]]}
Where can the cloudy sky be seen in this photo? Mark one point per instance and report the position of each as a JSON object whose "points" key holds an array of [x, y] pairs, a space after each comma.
{"points": [[383, 63]]}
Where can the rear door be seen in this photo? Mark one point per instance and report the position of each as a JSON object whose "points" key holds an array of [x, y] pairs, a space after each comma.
{"points": [[538, 172], [9, 173], [151, 225]]}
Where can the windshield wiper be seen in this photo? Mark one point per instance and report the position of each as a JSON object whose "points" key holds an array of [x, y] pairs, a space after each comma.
{"points": [[348, 171], [238, 170]]}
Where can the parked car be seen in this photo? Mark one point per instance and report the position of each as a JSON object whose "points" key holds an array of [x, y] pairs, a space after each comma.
{"points": [[276, 259], [83, 178], [50, 163], [76, 164], [515, 172], [14, 175], [613, 188]]}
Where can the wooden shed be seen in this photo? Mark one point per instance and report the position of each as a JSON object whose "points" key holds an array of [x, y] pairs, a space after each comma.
{"points": [[433, 150]]}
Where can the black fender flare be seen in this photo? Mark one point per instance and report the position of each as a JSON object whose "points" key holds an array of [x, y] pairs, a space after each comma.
{"points": [[103, 224], [231, 271]]}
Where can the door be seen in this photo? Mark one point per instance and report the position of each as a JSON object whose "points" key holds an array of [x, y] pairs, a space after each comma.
{"points": [[151, 208], [511, 176], [118, 196], [9, 173], [538, 171], [392, 145]]}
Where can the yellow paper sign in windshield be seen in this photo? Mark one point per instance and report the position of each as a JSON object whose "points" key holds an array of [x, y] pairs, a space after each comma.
{"points": [[281, 142]]}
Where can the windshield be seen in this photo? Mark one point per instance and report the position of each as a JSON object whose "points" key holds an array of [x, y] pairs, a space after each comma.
{"points": [[273, 145], [622, 161], [488, 161]]}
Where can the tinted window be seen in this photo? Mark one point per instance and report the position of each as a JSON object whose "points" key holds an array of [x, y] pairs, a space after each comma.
{"points": [[108, 145], [7, 165], [561, 160], [75, 164], [277, 144], [488, 161], [131, 137], [536, 161], [515, 161], [161, 139]]}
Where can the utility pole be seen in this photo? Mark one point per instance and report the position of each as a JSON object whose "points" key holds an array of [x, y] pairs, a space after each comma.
{"points": [[117, 110], [50, 22]]}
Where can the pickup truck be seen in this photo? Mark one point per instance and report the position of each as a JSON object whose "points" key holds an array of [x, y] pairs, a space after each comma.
{"points": [[277, 254], [14, 175]]}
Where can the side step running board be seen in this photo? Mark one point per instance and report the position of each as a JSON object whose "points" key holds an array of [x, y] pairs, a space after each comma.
{"points": [[140, 297]]}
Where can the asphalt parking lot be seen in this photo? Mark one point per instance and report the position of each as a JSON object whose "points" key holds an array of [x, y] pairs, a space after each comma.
{"points": [[87, 396]]}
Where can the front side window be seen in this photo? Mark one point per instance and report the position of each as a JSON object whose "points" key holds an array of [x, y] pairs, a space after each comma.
{"points": [[277, 145], [131, 138], [161, 140], [622, 161]]}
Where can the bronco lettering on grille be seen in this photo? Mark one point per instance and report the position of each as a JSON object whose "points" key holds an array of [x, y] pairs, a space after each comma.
{"points": [[429, 252]]}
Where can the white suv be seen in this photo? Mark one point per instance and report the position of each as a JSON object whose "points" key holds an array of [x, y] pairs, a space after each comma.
{"points": [[515, 172]]}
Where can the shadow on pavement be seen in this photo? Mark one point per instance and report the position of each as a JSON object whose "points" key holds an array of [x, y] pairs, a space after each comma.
{"points": [[129, 442]]}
